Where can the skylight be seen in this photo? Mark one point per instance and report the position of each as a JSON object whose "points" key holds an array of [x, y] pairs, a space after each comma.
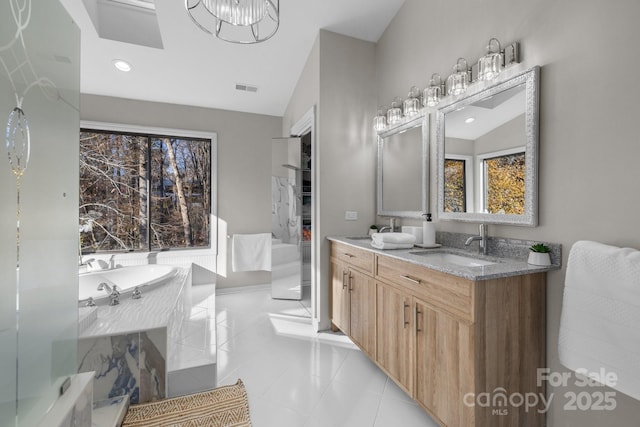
{"points": [[128, 21]]}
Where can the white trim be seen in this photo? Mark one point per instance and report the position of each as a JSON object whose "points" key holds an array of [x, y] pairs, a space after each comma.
{"points": [[213, 136], [304, 125]]}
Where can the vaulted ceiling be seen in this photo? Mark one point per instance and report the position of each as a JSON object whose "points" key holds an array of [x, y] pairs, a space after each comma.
{"points": [[194, 68]]}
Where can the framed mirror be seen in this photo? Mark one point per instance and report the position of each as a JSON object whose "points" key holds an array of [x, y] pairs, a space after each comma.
{"points": [[403, 169], [487, 145]]}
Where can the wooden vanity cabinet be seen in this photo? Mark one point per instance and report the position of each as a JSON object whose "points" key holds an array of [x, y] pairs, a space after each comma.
{"points": [[445, 339], [394, 334], [353, 298], [468, 337]]}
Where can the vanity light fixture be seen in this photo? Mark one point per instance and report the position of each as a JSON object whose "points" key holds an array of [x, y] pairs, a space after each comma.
{"points": [[380, 120], [122, 65], [394, 114], [236, 21], [488, 68], [411, 105], [432, 94], [492, 64], [458, 82]]}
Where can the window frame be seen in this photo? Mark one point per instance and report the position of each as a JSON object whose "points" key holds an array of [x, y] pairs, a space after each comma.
{"points": [[152, 132]]}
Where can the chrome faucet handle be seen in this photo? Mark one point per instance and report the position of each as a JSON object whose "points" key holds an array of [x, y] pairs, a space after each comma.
{"points": [[136, 293], [90, 302], [114, 295]]}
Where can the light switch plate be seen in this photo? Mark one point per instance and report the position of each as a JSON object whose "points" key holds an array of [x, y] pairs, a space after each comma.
{"points": [[350, 215]]}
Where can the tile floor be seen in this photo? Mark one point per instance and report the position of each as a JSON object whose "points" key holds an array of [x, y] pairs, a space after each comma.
{"points": [[295, 377]]}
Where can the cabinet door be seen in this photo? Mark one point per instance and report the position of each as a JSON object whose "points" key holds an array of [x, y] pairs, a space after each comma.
{"points": [[362, 324], [394, 323], [444, 364], [340, 296]]}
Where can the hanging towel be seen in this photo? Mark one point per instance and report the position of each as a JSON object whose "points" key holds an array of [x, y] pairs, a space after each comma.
{"points": [[599, 326], [251, 252], [392, 240]]}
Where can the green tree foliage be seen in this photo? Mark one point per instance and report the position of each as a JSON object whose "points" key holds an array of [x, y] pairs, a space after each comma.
{"points": [[505, 184], [454, 186]]}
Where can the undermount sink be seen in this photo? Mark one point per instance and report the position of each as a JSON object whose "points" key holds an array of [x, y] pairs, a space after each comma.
{"points": [[448, 258]]}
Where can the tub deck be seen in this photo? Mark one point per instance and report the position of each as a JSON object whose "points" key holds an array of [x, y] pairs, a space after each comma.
{"points": [[147, 348]]}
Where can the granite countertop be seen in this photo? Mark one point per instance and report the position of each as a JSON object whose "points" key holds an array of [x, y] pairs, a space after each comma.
{"points": [[503, 267]]}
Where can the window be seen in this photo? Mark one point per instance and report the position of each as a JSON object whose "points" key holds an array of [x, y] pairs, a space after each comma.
{"points": [[458, 183], [142, 192], [455, 185], [503, 177]]}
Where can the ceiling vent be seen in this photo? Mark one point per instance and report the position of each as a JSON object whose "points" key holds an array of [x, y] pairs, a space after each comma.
{"points": [[246, 88]]}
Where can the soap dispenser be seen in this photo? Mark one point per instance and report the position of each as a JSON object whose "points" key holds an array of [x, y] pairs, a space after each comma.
{"points": [[428, 231]]}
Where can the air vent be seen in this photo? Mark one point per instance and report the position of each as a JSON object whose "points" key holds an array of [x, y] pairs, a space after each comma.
{"points": [[246, 88]]}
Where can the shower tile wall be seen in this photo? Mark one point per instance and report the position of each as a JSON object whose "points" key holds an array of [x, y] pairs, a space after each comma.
{"points": [[285, 209]]}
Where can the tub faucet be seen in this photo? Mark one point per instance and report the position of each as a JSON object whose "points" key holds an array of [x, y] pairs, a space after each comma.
{"points": [[114, 294], [481, 238]]}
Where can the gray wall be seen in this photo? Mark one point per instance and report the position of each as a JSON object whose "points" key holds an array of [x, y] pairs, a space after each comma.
{"points": [[589, 146], [244, 166], [339, 80]]}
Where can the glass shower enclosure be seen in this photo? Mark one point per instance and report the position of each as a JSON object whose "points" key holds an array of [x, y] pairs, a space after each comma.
{"points": [[286, 218]]}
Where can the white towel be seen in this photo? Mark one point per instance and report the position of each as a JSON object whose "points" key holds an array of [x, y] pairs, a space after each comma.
{"points": [[385, 245], [398, 238], [251, 252], [599, 327]]}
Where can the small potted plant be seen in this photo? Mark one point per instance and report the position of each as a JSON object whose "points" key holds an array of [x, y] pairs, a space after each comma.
{"points": [[373, 229], [539, 254]]}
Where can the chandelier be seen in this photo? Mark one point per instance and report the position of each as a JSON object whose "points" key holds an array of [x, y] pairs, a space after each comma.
{"points": [[236, 21]]}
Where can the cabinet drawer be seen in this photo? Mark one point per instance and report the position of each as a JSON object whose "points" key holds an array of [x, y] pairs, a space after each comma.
{"points": [[359, 258], [451, 293]]}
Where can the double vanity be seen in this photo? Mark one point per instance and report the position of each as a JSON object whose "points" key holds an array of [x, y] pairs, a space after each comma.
{"points": [[462, 334]]}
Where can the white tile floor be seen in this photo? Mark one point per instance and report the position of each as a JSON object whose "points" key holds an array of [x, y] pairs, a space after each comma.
{"points": [[295, 377]]}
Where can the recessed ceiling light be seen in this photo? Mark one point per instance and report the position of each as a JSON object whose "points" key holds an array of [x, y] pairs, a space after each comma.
{"points": [[470, 120], [122, 65]]}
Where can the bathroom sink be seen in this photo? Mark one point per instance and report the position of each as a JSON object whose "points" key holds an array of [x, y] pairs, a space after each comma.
{"points": [[448, 258]]}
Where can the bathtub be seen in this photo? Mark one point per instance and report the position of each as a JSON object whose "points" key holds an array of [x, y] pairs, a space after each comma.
{"points": [[126, 278]]}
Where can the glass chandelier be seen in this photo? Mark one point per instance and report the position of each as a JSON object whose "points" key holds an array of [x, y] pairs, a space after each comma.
{"points": [[236, 21]]}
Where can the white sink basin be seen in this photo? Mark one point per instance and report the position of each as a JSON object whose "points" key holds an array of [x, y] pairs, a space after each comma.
{"points": [[448, 258]]}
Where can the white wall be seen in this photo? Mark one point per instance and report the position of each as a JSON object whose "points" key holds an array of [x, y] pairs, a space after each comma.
{"points": [[339, 80], [589, 146], [244, 164]]}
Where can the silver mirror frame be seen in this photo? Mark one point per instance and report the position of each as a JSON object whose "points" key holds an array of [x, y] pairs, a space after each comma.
{"points": [[531, 78], [420, 120]]}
